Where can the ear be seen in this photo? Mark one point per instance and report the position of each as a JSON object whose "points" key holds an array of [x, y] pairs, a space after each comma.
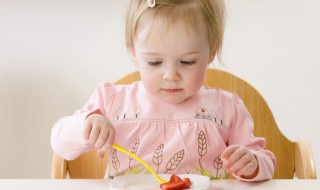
{"points": [[212, 56], [213, 53]]}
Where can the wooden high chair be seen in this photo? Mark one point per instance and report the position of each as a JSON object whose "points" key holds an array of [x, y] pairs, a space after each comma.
{"points": [[293, 157]]}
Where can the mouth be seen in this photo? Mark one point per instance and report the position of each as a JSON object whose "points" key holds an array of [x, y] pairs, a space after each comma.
{"points": [[172, 90]]}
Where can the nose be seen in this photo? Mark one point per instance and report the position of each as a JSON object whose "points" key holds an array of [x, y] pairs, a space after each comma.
{"points": [[171, 74]]}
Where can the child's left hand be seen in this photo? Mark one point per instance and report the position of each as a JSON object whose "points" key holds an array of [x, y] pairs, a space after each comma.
{"points": [[240, 161]]}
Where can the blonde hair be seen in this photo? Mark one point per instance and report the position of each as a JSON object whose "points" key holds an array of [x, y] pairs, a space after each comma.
{"points": [[209, 12]]}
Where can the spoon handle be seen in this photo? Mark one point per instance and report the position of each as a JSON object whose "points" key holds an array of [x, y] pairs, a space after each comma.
{"points": [[141, 161]]}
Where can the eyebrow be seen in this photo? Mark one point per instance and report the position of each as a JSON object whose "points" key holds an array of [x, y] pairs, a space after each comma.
{"points": [[149, 53], [192, 52], [187, 53]]}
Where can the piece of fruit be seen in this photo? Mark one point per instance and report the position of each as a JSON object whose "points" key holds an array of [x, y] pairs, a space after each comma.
{"points": [[176, 183]]}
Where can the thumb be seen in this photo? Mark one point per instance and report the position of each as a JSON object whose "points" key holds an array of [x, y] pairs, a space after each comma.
{"points": [[100, 153]]}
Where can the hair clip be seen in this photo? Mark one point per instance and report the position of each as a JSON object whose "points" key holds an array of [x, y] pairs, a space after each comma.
{"points": [[152, 3]]}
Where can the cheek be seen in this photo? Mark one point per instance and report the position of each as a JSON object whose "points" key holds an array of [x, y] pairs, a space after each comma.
{"points": [[198, 76], [148, 73], [149, 85], [145, 74], [196, 82], [148, 79]]}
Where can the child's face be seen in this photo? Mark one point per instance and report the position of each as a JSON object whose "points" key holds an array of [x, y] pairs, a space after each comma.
{"points": [[172, 60]]}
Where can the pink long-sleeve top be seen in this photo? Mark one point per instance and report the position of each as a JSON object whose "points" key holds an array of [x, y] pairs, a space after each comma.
{"points": [[172, 138]]}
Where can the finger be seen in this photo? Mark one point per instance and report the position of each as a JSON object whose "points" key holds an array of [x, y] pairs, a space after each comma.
{"points": [[230, 156], [248, 170], [102, 138], [240, 163], [100, 154], [104, 148], [94, 135], [107, 145], [228, 151], [87, 130], [229, 162], [237, 154], [110, 139]]}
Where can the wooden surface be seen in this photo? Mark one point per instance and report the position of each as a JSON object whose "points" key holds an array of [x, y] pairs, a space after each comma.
{"points": [[264, 123], [304, 165], [291, 156]]}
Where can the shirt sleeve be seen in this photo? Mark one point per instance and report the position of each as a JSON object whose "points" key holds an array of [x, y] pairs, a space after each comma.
{"points": [[241, 132], [67, 139]]}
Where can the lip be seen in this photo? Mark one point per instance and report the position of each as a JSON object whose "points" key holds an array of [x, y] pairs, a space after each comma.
{"points": [[172, 90]]}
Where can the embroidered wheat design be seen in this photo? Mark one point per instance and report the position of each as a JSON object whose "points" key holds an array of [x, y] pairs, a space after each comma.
{"points": [[217, 164], [115, 161], [202, 146], [175, 161], [134, 149], [157, 156]]}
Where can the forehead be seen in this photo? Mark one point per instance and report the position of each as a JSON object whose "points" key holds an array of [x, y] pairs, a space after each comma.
{"points": [[169, 27], [166, 16], [155, 33]]}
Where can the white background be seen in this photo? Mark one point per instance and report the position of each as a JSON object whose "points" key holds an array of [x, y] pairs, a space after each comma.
{"points": [[54, 52]]}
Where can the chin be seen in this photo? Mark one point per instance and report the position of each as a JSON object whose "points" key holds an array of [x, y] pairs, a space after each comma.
{"points": [[174, 101]]}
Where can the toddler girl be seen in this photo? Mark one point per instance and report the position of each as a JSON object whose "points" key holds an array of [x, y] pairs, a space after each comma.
{"points": [[168, 118]]}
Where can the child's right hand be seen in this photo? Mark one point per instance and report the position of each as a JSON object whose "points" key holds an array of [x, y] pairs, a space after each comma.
{"points": [[99, 132]]}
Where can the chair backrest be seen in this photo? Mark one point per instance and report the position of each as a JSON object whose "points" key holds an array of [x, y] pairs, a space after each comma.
{"points": [[291, 156]]}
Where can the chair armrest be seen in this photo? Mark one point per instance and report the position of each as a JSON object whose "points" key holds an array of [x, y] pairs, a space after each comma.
{"points": [[59, 167], [304, 164]]}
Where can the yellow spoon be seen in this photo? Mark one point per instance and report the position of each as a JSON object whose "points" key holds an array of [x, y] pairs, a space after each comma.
{"points": [[141, 161]]}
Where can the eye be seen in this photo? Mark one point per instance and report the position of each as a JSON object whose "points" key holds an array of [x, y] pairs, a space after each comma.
{"points": [[154, 63], [187, 62]]}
